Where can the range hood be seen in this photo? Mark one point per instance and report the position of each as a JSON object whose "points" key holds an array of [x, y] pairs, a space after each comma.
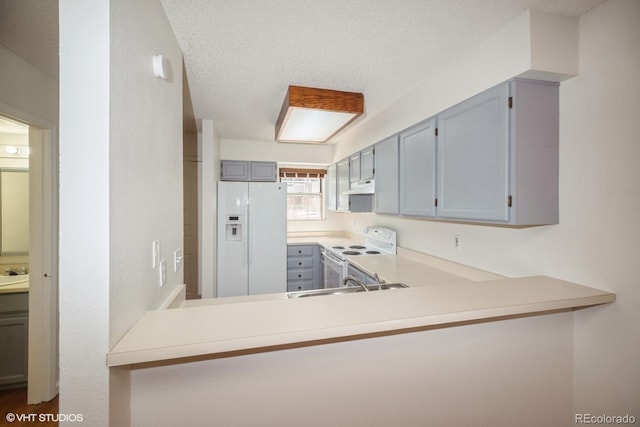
{"points": [[361, 187]]}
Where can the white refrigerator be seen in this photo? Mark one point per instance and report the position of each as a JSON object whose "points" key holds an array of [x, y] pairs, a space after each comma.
{"points": [[252, 238]]}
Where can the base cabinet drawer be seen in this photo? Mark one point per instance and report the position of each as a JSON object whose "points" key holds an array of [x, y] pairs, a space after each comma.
{"points": [[294, 275], [296, 250], [296, 263], [303, 267], [304, 285]]}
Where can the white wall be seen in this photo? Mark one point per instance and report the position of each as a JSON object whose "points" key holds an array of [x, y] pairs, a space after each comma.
{"points": [[120, 187], [489, 374], [599, 229], [595, 242], [84, 209]]}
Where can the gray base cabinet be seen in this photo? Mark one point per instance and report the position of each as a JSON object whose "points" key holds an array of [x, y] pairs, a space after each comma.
{"points": [[14, 339], [303, 267]]}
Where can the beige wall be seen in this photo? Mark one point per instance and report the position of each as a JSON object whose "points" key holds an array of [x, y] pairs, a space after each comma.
{"points": [[120, 188], [145, 161], [595, 242]]}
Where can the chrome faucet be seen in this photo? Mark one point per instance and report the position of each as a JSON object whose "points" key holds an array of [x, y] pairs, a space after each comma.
{"points": [[355, 280], [378, 281]]}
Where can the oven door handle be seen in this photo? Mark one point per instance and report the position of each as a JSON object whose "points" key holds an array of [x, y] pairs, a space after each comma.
{"points": [[333, 258]]}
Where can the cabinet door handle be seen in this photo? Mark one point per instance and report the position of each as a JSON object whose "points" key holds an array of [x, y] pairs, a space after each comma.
{"points": [[299, 263], [299, 275]]}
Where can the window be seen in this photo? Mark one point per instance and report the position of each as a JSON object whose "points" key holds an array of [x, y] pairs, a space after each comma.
{"points": [[305, 200]]}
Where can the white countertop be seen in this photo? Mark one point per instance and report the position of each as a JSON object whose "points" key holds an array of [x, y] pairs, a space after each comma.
{"points": [[13, 284], [440, 293]]}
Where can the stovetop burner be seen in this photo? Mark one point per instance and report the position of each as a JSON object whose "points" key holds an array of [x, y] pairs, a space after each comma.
{"points": [[373, 252], [352, 253], [338, 247], [357, 247]]}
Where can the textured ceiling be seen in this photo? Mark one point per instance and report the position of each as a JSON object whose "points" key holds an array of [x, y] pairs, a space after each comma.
{"points": [[29, 28], [240, 55]]}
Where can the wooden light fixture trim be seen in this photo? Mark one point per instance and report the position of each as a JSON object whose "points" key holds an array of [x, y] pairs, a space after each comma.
{"points": [[319, 99]]}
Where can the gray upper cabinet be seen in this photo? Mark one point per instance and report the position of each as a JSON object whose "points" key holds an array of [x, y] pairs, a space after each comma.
{"points": [[232, 170], [367, 168], [343, 177], [361, 165], [264, 171], [417, 147], [332, 187], [497, 156], [354, 167], [473, 158], [338, 180], [240, 170], [490, 159], [386, 168]]}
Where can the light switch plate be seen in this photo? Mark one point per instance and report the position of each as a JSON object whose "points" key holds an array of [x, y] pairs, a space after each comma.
{"points": [[155, 253], [177, 260], [163, 273]]}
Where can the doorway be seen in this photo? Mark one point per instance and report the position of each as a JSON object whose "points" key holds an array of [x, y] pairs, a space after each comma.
{"points": [[39, 154]]}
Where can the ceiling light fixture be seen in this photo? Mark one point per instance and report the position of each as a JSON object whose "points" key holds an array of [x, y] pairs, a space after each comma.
{"points": [[316, 115]]}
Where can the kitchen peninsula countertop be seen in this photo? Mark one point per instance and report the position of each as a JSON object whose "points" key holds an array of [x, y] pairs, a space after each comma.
{"points": [[441, 294]]}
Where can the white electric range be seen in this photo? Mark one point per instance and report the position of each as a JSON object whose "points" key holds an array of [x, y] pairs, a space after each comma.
{"points": [[377, 241]]}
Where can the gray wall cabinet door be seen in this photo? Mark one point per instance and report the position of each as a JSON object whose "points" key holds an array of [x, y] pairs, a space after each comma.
{"points": [[418, 170], [343, 184], [386, 185], [264, 171], [473, 158], [332, 187], [354, 167], [233, 170], [366, 163]]}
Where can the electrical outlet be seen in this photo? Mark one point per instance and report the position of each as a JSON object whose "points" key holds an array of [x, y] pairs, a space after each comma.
{"points": [[155, 253], [163, 273], [457, 242]]}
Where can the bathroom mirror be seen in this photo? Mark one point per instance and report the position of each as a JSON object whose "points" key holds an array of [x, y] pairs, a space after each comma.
{"points": [[14, 212]]}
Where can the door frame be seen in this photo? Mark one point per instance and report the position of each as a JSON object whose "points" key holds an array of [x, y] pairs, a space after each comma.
{"points": [[43, 367]]}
